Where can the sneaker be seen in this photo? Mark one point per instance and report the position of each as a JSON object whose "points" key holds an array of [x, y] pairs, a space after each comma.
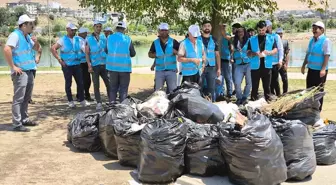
{"points": [[21, 129], [71, 104], [99, 106], [30, 123], [84, 103]]}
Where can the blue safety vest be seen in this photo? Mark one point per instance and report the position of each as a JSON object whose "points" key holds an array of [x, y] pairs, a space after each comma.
{"points": [[255, 61], [23, 54], [210, 52], [70, 51], [225, 50], [276, 56], [316, 54], [190, 68], [240, 56], [97, 50], [165, 60], [118, 58], [81, 53]]}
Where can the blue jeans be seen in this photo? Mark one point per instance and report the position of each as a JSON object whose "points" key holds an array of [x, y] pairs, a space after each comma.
{"points": [[166, 76], [76, 72], [100, 71], [119, 81], [242, 71], [209, 77], [226, 70]]}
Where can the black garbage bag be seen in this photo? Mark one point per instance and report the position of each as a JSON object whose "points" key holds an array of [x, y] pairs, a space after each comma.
{"points": [[173, 113], [198, 109], [162, 150], [254, 154], [131, 101], [115, 114], [83, 132], [325, 145], [127, 135], [298, 148], [186, 88], [307, 111], [202, 154]]}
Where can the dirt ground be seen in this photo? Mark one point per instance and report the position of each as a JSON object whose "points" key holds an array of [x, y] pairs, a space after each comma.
{"points": [[43, 156]]}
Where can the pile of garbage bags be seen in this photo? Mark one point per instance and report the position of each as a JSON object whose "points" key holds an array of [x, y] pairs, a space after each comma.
{"points": [[167, 136]]}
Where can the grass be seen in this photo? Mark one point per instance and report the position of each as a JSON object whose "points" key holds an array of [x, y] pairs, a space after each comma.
{"points": [[298, 70]]}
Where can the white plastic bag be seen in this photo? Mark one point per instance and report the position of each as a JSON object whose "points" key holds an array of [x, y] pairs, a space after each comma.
{"points": [[229, 110], [157, 102]]}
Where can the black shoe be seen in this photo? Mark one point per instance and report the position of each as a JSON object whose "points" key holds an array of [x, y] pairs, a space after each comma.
{"points": [[30, 123], [234, 92], [21, 129], [31, 102], [89, 99]]}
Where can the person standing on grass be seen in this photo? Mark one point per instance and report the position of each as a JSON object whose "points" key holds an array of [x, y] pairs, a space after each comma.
{"points": [[164, 50], [119, 64], [261, 49], [191, 54], [18, 52], [95, 50], [71, 47], [317, 58], [277, 60], [242, 62], [37, 56], [213, 62], [283, 69], [82, 33]]}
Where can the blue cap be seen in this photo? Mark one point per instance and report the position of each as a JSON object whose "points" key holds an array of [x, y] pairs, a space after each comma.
{"points": [[279, 30], [268, 23]]}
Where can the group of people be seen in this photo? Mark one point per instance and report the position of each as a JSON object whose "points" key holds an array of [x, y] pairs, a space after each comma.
{"points": [[218, 65]]}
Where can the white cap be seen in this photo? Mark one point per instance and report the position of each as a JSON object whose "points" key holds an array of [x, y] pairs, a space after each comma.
{"points": [[163, 26], [268, 23], [97, 22], [121, 24], [194, 30], [108, 29], [83, 30], [24, 18], [319, 24], [279, 30], [71, 26]]}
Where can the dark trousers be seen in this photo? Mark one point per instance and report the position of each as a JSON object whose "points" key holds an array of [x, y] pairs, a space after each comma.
{"points": [[119, 81], [265, 75], [100, 71], [209, 76], [86, 80], [314, 79], [275, 86], [76, 72], [284, 78], [193, 78]]}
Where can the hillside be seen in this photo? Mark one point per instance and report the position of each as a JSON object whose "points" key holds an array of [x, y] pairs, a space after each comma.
{"points": [[282, 4]]}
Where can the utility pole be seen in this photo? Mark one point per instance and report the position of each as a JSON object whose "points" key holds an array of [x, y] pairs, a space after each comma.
{"points": [[326, 16]]}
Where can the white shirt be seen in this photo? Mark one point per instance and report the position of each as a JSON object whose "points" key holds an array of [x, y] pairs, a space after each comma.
{"points": [[82, 43], [280, 49], [327, 45]]}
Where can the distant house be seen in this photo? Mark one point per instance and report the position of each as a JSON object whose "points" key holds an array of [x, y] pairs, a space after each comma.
{"points": [[31, 7]]}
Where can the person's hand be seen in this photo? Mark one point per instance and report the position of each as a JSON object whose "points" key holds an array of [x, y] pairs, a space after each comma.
{"points": [[37, 61], [17, 70], [232, 61], [34, 39], [152, 68], [196, 61], [90, 69], [285, 66], [303, 70], [279, 64], [261, 54], [218, 72], [62, 63], [322, 73]]}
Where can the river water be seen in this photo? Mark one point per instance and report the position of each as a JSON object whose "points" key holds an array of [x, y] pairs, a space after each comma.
{"points": [[297, 54]]}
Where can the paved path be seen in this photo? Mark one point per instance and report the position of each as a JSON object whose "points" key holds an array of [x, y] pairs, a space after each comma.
{"points": [[146, 70]]}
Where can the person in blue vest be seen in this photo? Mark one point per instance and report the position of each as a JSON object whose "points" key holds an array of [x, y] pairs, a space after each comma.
{"points": [[18, 53], [283, 69], [108, 31], [213, 61], [261, 50], [120, 49], [242, 62], [277, 60], [317, 58], [191, 54], [82, 33], [71, 46], [164, 50], [96, 60]]}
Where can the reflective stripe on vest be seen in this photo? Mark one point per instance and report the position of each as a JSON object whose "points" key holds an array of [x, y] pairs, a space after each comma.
{"points": [[210, 52], [118, 58], [225, 50], [81, 54], [255, 61], [240, 56], [190, 68], [165, 60], [97, 50], [70, 51], [23, 56], [316, 54]]}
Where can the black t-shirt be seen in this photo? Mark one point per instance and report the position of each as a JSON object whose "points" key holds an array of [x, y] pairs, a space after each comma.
{"points": [[176, 46], [261, 41], [206, 41]]}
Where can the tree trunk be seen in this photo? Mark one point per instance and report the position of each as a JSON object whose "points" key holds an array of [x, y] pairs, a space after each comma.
{"points": [[215, 21]]}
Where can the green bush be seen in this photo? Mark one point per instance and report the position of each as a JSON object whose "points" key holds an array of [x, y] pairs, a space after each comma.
{"points": [[251, 23]]}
